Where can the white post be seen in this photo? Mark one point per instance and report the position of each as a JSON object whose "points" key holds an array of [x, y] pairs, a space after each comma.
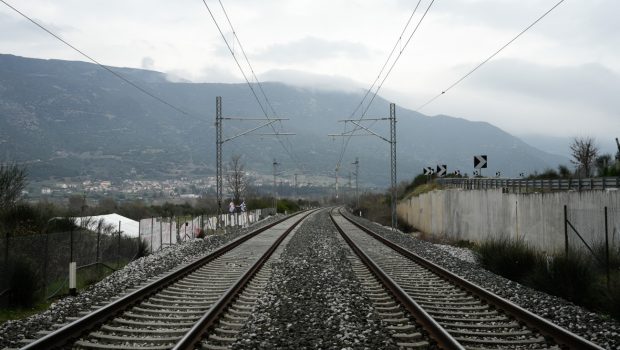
{"points": [[72, 278]]}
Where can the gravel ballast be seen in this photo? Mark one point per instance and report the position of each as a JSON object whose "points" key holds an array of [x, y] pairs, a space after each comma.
{"points": [[596, 328], [132, 275], [313, 299]]}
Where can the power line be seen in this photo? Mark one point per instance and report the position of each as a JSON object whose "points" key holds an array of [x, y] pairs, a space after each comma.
{"points": [[118, 75], [489, 58], [289, 152], [397, 57], [235, 58], [260, 86], [348, 139], [387, 60]]}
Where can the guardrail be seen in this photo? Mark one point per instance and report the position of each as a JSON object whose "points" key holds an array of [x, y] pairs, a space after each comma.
{"points": [[599, 183]]}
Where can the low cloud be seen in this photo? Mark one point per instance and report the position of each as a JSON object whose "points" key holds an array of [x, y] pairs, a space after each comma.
{"points": [[210, 74], [311, 80], [592, 85], [147, 63], [313, 49]]}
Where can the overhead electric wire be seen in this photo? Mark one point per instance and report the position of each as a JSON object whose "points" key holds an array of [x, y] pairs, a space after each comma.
{"points": [[348, 139], [397, 57], [387, 60], [489, 58], [235, 58], [118, 75], [260, 86], [289, 152]]}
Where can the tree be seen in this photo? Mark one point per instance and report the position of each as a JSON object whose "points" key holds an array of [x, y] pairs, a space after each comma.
{"points": [[12, 183], [603, 164], [235, 178], [564, 172], [584, 152]]}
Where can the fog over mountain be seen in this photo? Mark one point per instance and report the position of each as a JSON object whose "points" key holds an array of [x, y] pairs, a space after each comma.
{"points": [[74, 119]]}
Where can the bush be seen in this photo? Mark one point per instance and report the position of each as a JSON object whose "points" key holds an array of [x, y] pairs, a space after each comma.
{"points": [[23, 283], [568, 276], [513, 259], [201, 234], [287, 205], [404, 226], [143, 249]]}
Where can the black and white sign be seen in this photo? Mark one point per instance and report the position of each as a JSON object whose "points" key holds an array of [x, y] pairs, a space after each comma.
{"points": [[498, 174], [521, 174], [428, 170], [476, 172], [457, 172], [442, 170], [480, 162]]}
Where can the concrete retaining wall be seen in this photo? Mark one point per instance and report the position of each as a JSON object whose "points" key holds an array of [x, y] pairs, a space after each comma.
{"points": [[538, 218]]}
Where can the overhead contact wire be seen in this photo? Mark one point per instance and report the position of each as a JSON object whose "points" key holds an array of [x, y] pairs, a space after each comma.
{"points": [[118, 75], [289, 152], [348, 139], [489, 58]]}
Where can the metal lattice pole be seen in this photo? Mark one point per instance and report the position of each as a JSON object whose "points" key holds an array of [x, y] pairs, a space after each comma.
{"points": [[357, 171], [275, 188], [393, 161], [218, 156]]}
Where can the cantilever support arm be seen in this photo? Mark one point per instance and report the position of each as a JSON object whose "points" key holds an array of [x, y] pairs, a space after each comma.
{"points": [[370, 131], [249, 131]]}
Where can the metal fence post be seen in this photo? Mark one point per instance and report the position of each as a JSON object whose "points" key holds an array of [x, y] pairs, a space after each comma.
{"points": [[607, 248], [71, 244], [6, 249], [45, 263], [565, 231], [98, 242], [118, 255]]}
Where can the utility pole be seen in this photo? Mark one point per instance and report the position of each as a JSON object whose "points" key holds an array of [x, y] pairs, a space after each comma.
{"points": [[391, 141], [218, 156], [219, 141], [275, 189], [357, 171], [337, 182], [393, 161]]}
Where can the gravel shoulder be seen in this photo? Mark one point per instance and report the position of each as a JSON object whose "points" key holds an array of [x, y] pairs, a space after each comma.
{"points": [[597, 328]]}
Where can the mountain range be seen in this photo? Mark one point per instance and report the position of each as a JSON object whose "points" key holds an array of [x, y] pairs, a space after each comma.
{"points": [[66, 119]]}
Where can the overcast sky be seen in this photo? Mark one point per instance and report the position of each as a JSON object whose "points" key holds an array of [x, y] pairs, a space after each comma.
{"points": [[562, 78]]}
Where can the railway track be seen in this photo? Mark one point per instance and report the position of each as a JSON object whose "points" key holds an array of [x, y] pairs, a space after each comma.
{"points": [[454, 312], [177, 310]]}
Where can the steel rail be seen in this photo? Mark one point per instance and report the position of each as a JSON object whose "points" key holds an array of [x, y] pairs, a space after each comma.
{"points": [[561, 336], [210, 318], [77, 328], [438, 333]]}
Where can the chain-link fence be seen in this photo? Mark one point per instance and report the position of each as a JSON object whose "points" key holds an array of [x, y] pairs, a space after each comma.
{"points": [[158, 233], [39, 263], [596, 230]]}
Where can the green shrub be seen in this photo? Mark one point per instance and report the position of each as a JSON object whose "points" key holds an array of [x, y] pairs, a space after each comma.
{"points": [[569, 276], [201, 234], [513, 259], [23, 283], [143, 248], [601, 256], [287, 205], [404, 226]]}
